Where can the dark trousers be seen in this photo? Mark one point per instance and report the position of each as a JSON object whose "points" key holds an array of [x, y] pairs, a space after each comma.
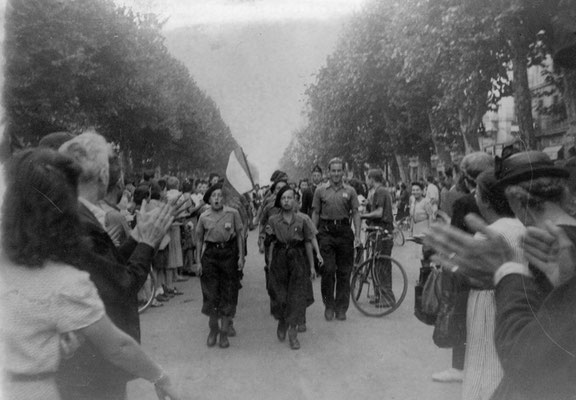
{"points": [[220, 281], [337, 249], [458, 356], [383, 270], [289, 284]]}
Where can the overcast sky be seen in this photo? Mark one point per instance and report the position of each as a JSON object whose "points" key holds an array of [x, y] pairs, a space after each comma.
{"points": [[194, 12], [263, 145]]}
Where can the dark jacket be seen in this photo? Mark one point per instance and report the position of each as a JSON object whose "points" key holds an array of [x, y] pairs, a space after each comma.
{"points": [[118, 274], [535, 338]]}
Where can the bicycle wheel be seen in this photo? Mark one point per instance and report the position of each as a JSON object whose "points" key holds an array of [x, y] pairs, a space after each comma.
{"points": [[377, 290], [147, 293], [399, 237]]}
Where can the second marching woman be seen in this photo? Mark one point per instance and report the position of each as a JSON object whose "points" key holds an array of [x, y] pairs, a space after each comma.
{"points": [[219, 232], [291, 265]]}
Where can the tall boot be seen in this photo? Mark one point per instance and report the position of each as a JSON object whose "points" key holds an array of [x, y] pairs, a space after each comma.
{"points": [[281, 331], [214, 328], [293, 337], [231, 330], [224, 343]]}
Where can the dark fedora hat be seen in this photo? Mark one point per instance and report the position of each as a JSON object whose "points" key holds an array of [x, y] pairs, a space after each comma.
{"points": [[211, 190], [524, 166]]}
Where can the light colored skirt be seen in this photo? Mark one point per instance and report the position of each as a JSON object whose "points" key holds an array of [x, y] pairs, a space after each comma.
{"points": [[175, 256], [482, 369]]}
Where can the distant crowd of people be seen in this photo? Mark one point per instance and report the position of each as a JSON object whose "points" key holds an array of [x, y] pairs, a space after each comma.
{"points": [[78, 245]]}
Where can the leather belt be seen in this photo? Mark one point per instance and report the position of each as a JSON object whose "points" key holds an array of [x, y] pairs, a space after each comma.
{"points": [[289, 245], [221, 245], [343, 221]]}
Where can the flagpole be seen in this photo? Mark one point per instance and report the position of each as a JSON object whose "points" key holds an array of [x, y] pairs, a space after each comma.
{"points": [[247, 167]]}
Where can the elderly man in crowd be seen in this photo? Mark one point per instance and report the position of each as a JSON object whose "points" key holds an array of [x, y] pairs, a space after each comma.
{"points": [[118, 273]]}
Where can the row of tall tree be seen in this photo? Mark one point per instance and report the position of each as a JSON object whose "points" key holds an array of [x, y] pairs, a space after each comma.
{"points": [[416, 77], [71, 65]]}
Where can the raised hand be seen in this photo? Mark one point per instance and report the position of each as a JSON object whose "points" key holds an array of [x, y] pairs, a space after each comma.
{"points": [[153, 225], [476, 257], [551, 251]]}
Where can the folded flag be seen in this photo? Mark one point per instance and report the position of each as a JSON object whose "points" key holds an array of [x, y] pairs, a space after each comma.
{"points": [[241, 174]]}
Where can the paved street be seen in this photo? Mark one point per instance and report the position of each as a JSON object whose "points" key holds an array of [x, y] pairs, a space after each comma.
{"points": [[362, 358]]}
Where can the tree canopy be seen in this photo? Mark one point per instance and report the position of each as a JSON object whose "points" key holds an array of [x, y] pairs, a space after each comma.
{"points": [[71, 65], [416, 77]]}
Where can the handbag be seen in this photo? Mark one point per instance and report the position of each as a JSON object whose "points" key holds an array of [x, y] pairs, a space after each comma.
{"points": [[431, 293], [450, 326], [426, 272]]}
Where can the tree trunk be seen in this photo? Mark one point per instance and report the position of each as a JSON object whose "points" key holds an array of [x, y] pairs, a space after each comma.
{"points": [[401, 170], [441, 149], [569, 96], [523, 97], [469, 127], [515, 29]]}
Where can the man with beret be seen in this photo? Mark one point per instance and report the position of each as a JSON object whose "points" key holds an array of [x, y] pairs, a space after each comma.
{"points": [[334, 205]]}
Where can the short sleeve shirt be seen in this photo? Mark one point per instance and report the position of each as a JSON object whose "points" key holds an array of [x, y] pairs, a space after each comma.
{"points": [[220, 226], [299, 229], [381, 198], [333, 202], [38, 305]]}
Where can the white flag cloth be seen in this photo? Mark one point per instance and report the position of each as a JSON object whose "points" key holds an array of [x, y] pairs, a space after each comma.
{"points": [[237, 172]]}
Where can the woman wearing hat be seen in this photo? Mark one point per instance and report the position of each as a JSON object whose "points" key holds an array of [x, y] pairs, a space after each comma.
{"points": [[291, 265], [535, 332], [219, 233], [482, 370]]}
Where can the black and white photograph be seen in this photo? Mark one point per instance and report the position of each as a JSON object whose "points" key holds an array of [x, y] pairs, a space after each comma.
{"points": [[288, 199]]}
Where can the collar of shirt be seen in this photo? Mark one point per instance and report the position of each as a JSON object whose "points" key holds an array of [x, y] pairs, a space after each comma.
{"points": [[292, 220], [98, 213], [333, 186]]}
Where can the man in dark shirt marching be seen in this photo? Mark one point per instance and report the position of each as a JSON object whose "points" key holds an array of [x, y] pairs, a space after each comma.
{"points": [[380, 207], [333, 206]]}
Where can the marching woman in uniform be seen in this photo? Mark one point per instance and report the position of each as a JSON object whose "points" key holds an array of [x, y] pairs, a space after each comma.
{"points": [[220, 230], [291, 266]]}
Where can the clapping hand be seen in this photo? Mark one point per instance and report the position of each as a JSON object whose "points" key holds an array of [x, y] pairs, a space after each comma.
{"points": [[475, 257], [180, 206], [153, 224], [551, 251]]}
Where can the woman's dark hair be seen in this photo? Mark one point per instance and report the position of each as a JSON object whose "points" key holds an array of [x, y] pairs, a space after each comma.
{"points": [[141, 193], [358, 186], [40, 220], [419, 184], [155, 190], [187, 186], [492, 193]]}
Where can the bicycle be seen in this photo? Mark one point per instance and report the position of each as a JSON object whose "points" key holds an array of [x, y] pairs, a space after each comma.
{"points": [[377, 289], [147, 292]]}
